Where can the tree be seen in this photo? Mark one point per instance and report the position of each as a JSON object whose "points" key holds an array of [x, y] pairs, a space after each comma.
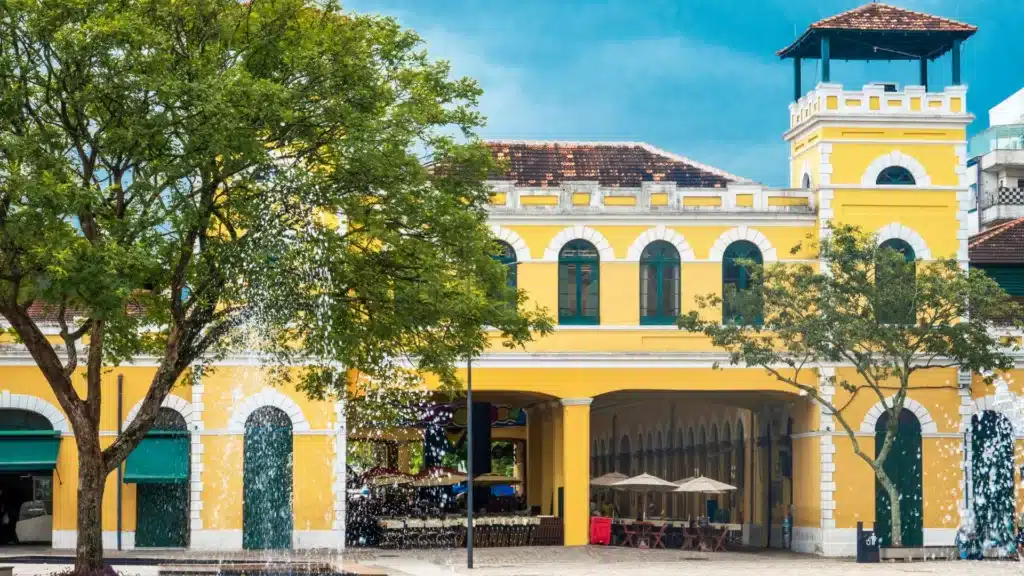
{"points": [[866, 306], [171, 180]]}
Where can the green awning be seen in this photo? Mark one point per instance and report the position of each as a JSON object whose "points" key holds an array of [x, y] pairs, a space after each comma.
{"points": [[28, 450], [161, 458]]}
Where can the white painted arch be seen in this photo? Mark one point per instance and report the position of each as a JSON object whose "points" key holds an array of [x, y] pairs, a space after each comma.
{"points": [[1009, 407], [895, 158], [895, 230], [928, 425], [660, 232], [267, 397], [579, 232], [176, 403], [37, 405], [768, 252], [514, 240]]}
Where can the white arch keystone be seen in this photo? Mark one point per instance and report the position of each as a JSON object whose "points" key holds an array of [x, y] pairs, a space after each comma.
{"points": [[768, 253], [579, 232], [660, 232]]}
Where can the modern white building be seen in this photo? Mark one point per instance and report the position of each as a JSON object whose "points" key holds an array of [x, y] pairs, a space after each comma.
{"points": [[996, 166]]}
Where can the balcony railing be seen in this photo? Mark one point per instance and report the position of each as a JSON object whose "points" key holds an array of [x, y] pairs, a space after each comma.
{"points": [[1007, 137], [1002, 196]]}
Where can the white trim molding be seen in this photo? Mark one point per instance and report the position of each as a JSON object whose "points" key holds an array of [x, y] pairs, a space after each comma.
{"points": [[267, 397], [176, 403], [895, 230], [37, 405], [1003, 402], [579, 232], [895, 158], [340, 475], [660, 232], [196, 467], [768, 252], [514, 240], [928, 425]]}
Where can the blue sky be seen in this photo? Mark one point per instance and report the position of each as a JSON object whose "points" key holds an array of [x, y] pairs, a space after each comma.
{"points": [[696, 77]]}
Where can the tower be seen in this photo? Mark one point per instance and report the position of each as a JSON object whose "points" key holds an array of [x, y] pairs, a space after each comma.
{"points": [[889, 159]]}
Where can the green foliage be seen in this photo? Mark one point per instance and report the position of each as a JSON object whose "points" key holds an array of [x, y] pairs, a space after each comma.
{"points": [[170, 173], [867, 307]]}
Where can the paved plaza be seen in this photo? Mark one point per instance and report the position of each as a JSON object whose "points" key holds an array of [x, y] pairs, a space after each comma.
{"points": [[588, 561]]}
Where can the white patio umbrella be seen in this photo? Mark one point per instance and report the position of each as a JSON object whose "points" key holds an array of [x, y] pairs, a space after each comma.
{"points": [[645, 483], [435, 477], [494, 480], [704, 485], [608, 479]]}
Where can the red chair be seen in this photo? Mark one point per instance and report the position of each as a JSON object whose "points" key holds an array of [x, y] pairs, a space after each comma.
{"points": [[658, 537], [600, 530], [630, 539]]}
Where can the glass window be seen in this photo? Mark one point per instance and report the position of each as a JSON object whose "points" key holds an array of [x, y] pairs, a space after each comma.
{"points": [[659, 283], [894, 288], [737, 279], [806, 182], [507, 256], [895, 176], [578, 283]]}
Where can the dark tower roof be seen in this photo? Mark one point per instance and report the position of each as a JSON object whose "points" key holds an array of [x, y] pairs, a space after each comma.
{"points": [[879, 31]]}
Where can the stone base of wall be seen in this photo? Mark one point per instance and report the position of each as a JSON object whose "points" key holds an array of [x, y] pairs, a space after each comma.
{"points": [[68, 539]]}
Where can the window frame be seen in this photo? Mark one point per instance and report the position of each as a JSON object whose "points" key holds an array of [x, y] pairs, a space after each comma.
{"points": [[728, 260], [579, 319], [661, 263], [910, 256], [507, 258], [885, 177]]}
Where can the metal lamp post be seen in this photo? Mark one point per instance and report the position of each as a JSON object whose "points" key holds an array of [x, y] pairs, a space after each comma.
{"points": [[469, 462]]}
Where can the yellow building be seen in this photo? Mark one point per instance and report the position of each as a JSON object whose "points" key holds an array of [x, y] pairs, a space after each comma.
{"points": [[615, 239]]}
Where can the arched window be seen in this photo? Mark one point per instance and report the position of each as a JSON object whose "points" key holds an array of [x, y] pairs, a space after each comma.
{"points": [[507, 256], [659, 283], [578, 285], [625, 455], [894, 293], [806, 182], [895, 176], [737, 280]]}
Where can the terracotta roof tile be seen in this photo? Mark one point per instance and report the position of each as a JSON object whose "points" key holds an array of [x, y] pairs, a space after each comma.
{"points": [[1003, 244], [878, 16], [611, 164]]}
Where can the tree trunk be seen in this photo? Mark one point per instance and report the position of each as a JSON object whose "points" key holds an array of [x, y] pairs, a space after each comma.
{"points": [[91, 477], [894, 509]]}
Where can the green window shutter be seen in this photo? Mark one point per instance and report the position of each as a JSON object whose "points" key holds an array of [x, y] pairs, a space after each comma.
{"points": [[1009, 276], [160, 458]]}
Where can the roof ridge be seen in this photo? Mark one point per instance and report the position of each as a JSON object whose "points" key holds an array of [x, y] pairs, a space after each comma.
{"points": [[992, 233], [899, 8], [611, 143]]}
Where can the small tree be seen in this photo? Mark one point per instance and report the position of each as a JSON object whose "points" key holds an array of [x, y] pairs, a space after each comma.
{"points": [[865, 306], [170, 176]]}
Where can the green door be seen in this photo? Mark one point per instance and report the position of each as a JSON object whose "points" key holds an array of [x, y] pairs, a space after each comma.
{"points": [[159, 467], [162, 516], [903, 466], [993, 498], [267, 513]]}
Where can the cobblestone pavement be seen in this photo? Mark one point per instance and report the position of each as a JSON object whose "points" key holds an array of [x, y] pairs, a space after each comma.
{"points": [[593, 561], [600, 561]]}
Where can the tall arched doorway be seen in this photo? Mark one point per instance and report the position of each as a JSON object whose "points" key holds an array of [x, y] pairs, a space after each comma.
{"points": [[159, 468], [992, 440], [28, 455], [267, 505], [903, 466]]}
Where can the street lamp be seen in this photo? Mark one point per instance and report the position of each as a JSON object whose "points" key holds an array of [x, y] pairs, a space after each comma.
{"points": [[469, 462]]}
